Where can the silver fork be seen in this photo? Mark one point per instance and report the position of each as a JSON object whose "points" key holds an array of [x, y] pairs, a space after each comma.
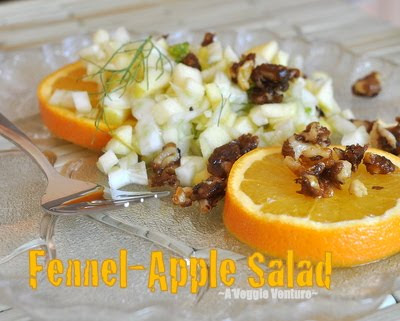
{"points": [[64, 195]]}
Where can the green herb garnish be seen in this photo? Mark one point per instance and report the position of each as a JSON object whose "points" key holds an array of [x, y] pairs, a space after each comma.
{"points": [[113, 80], [179, 51]]}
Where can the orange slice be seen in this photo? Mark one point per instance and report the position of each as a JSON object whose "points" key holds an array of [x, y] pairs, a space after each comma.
{"points": [[64, 122], [263, 210]]}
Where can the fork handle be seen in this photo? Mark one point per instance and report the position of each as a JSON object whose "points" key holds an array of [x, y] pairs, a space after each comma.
{"points": [[15, 135]]}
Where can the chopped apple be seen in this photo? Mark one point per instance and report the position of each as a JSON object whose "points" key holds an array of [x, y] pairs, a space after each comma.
{"points": [[257, 116], [82, 101], [282, 110], [117, 147], [129, 160], [124, 134], [115, 117], [107, 161], [266, 51], [215, 52], [163, 110], [200, 176], [243, 125], [149, 137], [136, 174], [117, 100], [155, 80], [182, 72], [63, 98], [281, 58], [213, 94], [213, 137]]}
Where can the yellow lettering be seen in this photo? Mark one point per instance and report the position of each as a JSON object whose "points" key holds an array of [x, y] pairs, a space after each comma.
{"points": [[55, 267], [157, 267], [319, 272], [108, 268], [305, 278], [198, 278], [73, 273], [34, 267], [227, 268], [175, 281], [91, 273], [259, 281], [123, 273], [213, 268], [290, 269], [275, 278]]}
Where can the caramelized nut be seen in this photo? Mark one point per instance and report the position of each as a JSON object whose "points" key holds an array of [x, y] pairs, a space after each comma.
{"points": [[377, 164], [368, 86], [357, 188]]}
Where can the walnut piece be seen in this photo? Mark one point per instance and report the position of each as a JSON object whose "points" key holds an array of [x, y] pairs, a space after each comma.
{"points": [[319, 168], [241, 71], [368, 86], [387, 139], [208, 39], [353, 154], [210, 191], [191, 60], [358, 189], [164, 165], [270, 81], [314, 187], [221, 160], [314, 133], [377, 164], [366, 123], [183, 196]]}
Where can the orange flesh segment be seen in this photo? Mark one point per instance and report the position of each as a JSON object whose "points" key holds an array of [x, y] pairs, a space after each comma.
{"points": [[279, 194]]}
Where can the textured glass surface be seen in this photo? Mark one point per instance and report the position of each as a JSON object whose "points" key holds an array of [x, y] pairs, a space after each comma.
{"points": [[355, 291]]}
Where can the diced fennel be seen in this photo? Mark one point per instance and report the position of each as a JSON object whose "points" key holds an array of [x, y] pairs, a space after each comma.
{"points": [[197, 110]]}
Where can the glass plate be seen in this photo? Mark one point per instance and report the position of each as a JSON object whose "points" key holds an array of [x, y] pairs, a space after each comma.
{"points": [[355, 291]]}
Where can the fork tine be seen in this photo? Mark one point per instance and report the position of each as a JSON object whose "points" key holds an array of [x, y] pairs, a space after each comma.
{"points": [[106, 204]]}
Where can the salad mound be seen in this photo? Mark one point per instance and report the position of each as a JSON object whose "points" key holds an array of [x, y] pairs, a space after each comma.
{"points": [[176, 104]]}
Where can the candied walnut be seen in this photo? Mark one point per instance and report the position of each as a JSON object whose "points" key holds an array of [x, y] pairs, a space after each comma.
{"points": [[316, 134], [208, 39], [269, 82], [183, 196], [164, 165], [191, 60], [366, 123], [221, 160], [387, 139], [241, 71], [353, 154], [261, 96], [368, 86], [312, 186], [247, 143], [266, 75], [315, 153], [377, 164], [319, 169], [209, 192], [358, 189], [294, 146], [338, 173]]}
